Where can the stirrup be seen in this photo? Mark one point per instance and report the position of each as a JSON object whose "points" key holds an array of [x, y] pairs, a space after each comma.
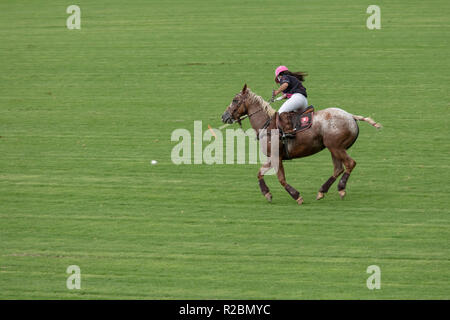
{"points": [[288, 135]]}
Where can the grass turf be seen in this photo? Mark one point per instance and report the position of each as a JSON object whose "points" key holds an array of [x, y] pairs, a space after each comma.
{"points": [[82, 113]]}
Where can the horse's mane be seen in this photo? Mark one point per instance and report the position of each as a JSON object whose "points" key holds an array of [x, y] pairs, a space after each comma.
{"points": [[254, 98]]}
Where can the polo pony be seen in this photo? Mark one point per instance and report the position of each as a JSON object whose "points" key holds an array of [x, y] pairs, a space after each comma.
{"points": [[331, 128]]}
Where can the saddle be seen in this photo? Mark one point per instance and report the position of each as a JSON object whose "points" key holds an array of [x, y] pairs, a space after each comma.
{"points": [[301, 120]]}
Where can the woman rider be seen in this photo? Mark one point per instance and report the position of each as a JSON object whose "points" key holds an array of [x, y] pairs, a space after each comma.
{"points": [[294, 92]]}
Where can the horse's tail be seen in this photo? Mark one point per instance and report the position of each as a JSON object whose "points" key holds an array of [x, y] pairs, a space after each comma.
{"points": [[368, 120]]}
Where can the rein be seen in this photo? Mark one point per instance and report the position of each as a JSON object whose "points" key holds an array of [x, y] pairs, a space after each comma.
{"points": [[247, 116], [266, 124]]}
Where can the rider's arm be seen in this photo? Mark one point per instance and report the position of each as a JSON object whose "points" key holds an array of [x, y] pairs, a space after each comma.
{"points": [[281, 89]]}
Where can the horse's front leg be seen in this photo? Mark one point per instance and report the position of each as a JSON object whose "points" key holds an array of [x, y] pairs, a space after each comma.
{"points": [[262, 184], [282, 178]]}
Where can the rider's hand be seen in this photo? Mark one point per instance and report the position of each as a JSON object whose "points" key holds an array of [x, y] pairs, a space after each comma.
{"points": [[273, 96]]}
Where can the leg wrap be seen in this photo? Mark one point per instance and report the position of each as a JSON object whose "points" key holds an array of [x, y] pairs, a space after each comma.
{"points": [[324, 188], [263, 186], [343, 182], [294, 193]]}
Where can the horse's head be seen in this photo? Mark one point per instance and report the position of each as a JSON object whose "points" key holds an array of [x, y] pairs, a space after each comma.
{"points": [[237, 107]]}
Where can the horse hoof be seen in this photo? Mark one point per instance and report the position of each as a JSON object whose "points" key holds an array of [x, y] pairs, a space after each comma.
{"points": [[299, 200], [320, 195], [268, 197], [342, 193]]}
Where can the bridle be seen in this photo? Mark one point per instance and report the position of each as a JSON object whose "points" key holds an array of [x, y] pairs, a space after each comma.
{"points": [[266, 124], [247, 115]]}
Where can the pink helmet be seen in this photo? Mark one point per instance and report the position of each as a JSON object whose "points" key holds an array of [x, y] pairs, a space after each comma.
{"points": [[279, 70]]}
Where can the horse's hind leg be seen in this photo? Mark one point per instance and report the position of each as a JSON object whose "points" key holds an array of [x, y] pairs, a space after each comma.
{"points": [[349, 164], [262, 184], [282, 178], [338, 169]]}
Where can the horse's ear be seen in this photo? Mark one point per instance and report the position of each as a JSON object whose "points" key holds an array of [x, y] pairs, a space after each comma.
{"points": [[244, 89]]}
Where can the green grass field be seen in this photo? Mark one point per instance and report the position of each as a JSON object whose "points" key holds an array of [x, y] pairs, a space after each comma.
{"points": [[83, 112]]}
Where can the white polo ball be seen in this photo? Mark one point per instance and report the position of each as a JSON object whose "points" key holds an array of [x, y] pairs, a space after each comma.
{"points": [[154, 162]]}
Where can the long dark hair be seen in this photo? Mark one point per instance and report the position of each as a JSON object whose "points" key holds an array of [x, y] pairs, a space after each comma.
{"points": [[299, 75]]}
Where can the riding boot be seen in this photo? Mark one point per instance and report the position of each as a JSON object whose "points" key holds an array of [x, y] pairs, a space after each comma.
{"points": [[285, 125]]}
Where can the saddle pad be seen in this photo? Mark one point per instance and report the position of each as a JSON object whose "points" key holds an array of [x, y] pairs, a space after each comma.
{"points": [[302, 121]]}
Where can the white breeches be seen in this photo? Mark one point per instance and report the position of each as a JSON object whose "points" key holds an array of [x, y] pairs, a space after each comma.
{"points": [[295, 102]]}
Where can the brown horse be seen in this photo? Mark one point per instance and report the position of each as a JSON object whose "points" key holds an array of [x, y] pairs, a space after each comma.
{"points": [[332, 128]]}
